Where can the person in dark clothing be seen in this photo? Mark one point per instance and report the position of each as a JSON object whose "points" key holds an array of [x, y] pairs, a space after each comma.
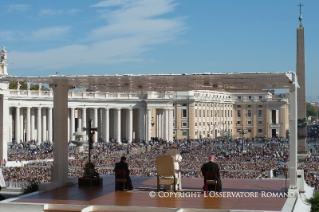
{"points": [[1, 197], [211, 166], [123, 165]]}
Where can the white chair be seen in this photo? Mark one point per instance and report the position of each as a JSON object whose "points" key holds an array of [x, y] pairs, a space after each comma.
{"points": [[166, 173]]}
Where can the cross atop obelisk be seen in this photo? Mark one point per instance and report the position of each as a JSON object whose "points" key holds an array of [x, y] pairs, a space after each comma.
{"points": [[300, 16]]}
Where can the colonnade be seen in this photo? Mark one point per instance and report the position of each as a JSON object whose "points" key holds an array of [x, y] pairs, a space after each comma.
{"points": [[30, 123], [36, 123]]}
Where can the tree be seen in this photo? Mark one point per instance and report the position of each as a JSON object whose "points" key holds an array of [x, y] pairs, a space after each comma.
{"points": [[24, 86], [311, 110]]}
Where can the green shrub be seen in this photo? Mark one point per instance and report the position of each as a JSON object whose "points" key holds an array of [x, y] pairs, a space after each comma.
{"points": [[314, 201], [30, 187]]}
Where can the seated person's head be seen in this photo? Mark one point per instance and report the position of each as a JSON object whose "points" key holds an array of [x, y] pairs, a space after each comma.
{"points": [[123, 158], [211, 158]]}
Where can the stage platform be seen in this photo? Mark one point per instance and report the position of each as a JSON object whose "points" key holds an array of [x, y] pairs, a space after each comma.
{"points": [[145, 198]]}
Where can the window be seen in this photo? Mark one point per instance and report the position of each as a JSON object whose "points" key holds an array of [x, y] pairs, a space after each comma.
{"points": [[249, 122], [203, 123], [260, 122], [231, 113], [249, 113], [195, 124], [238, 113], [238, 105], [200, 123], [249, 97], [260, 97], [221, 113], [228, 113], [248, 130], [184, 104], [207, 113], [239, 97], [203, 113], [260, 113], [184, 113], [195, 113], [238, 122], [248, 105], [184, 133], [211, 113], [184, 124], [174, 113], [260, 130], [200, 113], [173, 124], [260, 106], [225, 113]]}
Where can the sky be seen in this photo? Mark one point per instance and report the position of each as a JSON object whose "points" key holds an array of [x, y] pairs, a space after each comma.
{"points": [[80, 37]]}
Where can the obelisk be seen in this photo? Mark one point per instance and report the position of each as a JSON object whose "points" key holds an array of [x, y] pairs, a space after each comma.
{"points": [[301, 93]]}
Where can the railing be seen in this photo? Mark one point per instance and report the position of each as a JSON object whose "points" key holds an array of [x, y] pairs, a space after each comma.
{"points": [[261, 100], [274, 125]]}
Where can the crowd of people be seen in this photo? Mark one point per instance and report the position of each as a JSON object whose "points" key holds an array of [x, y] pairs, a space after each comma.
{"points": [[236, 159]]}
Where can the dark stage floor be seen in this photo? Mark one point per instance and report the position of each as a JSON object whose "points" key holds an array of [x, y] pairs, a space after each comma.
{"points": [[140, 196]]}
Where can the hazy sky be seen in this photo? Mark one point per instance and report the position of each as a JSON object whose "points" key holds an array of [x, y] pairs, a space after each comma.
{"points": [[76, 37]]}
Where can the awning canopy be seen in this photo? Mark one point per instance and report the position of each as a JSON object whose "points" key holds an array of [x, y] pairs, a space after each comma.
{"points": [[169, 82]]}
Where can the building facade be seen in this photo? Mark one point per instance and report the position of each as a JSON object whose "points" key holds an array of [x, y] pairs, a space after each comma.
{"points": [[143, 115]]}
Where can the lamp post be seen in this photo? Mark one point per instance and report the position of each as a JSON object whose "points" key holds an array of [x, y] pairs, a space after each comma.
{"points": [[242, 131]]}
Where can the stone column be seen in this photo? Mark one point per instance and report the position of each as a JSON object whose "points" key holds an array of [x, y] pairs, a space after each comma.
{"points": [[170, 125], [60, 164], [160, 123], [69, 120], [21, 125], [84, 124], [33, 135], [293, 133], [39, 125], [142, 125], [95, 125], [165, 129], [79, 120], [106, 123], [10, 125], [118, 125], [17, 125], [99, 124], [50, 124], [72, 122], [4, 136], [148, 126], [129, 124], [44, 124], [28, 138]]}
